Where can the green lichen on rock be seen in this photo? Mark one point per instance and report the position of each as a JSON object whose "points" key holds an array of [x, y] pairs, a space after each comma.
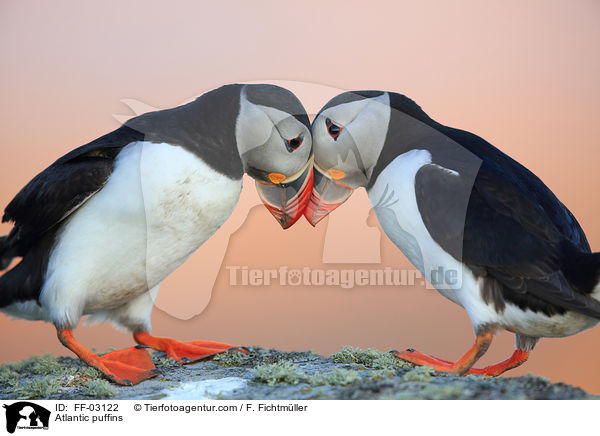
{"points": [[45, 365], [419, 374], [285, 372], [452, 391], [380, 374], [99, 389], [369, 358], [44, 376], [477, 377], [231, 358], [8, 375], [39, 388], [388, 361], [280, 372], [90, 372], [335, 377], [39, 365]]}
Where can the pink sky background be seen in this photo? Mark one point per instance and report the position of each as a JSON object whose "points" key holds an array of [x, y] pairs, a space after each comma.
{"points": [[523, 75]]}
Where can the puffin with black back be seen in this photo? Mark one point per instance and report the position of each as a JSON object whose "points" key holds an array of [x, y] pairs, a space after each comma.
{"points": [[103, 226], [481, 228]]}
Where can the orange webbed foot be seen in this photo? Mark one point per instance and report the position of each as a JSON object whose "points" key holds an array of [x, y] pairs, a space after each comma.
{"points": [[460, 367], [420, 359], [125, 367], [518, 358], [184, 352]]}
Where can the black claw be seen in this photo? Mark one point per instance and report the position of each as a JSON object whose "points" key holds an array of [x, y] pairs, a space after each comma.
{"points": [[411, 350], [139, 347], [393, 351]]}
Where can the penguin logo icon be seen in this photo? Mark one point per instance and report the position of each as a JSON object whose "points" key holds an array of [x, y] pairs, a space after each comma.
{"points": [[26, 415]]}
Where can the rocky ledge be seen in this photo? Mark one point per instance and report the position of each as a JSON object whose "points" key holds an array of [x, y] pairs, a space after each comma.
{"points": [[272, 375]]}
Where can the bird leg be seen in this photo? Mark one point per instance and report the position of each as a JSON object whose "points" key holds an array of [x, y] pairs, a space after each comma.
{"points": [[125, 367], [518, 358], [184, 352], [460, 367]]}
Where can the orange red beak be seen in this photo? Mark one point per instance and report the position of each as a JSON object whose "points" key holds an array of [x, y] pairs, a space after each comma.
{"points": [[328, 193], [287, 198]]}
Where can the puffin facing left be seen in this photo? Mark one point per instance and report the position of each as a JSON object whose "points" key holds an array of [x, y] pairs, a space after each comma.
{"points": [[101, 227]]}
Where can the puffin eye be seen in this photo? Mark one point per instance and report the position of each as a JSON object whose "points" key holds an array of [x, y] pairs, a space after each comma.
{"points": [[333, 129], [294, 143]]}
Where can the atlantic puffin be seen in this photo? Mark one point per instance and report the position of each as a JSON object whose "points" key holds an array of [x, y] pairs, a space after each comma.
{"points": [[101, 228], [481, 228]]}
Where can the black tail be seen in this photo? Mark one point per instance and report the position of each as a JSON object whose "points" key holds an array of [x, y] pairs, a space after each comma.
{"points": [[25, 280], [582, 270], [5, 253]]}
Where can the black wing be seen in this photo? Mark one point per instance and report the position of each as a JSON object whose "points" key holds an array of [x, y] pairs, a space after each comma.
{"points": [[45, 202], [519, 239], [54, 194]]}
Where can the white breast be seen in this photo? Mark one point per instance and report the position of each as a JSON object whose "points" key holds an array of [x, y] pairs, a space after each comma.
{"points": [[159, 205], [395, 204]]}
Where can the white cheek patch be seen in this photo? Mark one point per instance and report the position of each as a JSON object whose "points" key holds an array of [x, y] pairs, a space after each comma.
{"points": [[364, 129], [257, 124], [324, 146]]}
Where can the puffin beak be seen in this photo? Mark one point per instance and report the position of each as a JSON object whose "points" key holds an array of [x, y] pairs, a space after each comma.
{"points": [[327, 194], [286, 198]]}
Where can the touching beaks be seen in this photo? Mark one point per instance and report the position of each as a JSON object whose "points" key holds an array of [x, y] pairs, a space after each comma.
{"points": [[327, 194], [286, 198]]}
